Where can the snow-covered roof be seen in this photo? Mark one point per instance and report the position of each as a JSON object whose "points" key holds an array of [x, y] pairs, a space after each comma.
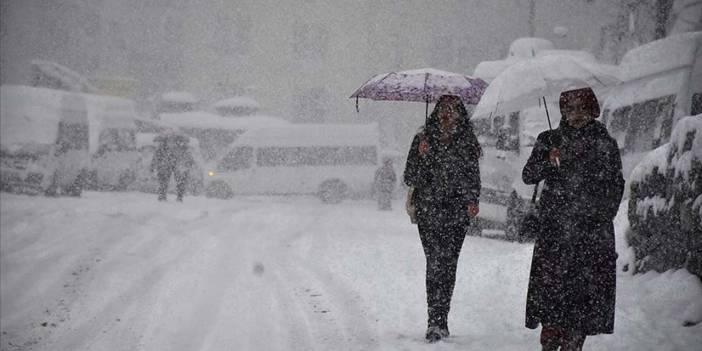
{"points": [[147, 139], [202, 119], [661, 55], [528, 47], [237, 101], [312, 135], [179, 97]]}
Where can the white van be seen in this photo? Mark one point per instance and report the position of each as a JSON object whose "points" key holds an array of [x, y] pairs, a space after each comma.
{"points": [[37, 121], [44, 135], [333, 161], [662, 82]]}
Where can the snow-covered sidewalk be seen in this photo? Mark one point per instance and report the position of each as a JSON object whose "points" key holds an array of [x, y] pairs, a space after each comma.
{"points": [[124, 272]]}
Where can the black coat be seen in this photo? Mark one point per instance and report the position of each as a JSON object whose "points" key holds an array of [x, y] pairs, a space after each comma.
{"points": [[573, 272], [446, 177], [172, 155]]}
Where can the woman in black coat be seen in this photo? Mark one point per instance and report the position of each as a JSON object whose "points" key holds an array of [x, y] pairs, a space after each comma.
{"points": [[573, 272], [443, 174]]}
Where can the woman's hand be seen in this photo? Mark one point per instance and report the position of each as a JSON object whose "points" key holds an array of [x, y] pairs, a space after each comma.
{"points": [[473, 210], [554, 156]]}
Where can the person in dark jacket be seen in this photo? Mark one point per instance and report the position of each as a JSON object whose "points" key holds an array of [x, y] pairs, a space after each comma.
{"points": [[443, 174], [172, 157], [572, 283], [384, 182]]}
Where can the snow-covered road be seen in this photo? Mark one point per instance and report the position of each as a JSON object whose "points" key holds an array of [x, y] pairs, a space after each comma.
{"points": [[124, 272]]}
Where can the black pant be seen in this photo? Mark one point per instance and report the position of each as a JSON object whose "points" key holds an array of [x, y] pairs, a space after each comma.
{"points": [[164, 176], [442, 241]]}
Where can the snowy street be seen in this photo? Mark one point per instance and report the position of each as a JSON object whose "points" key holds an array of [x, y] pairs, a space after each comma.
{"points": [[121, 271]]}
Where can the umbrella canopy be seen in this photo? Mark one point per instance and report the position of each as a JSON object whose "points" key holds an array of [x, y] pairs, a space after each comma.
{"points": [[421, 85], [526, 83]]}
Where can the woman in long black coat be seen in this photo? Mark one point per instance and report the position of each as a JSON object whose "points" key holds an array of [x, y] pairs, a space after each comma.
{"points": [[443, 171], [573, 272]]}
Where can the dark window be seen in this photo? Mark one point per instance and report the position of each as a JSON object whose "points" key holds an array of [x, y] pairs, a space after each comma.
{"points": [[237, 159], [620, 119], [72, 136], [116, 140], [696, 106], [316, 156]]}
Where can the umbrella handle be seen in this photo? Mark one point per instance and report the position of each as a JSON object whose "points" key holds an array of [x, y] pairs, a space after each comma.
{"points": [[547, 116]]}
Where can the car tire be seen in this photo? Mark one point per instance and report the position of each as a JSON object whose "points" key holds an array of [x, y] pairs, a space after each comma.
{"points": [[219, 190], [333, 191]]}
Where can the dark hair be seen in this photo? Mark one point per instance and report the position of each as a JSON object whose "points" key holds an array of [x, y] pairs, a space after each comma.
{"points": [[464, 125], [590, 103]]}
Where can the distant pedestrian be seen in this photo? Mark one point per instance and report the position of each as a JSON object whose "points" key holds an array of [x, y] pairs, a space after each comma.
{"points": [[443, 174], [384, 182], [172, 157], [572, 283]]}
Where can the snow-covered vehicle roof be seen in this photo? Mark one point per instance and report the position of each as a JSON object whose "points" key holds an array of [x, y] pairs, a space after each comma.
{"points": [[147, 139], [312, 135], [661, 55], [237, 101], [203, 119], [182, 97], [675, 56], [67, 78]]}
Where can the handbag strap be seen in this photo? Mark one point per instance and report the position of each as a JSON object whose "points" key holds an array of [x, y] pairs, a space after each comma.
{"points": [[536, 190]]}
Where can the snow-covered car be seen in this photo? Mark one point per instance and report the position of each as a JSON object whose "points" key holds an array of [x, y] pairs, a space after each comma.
{"points": [[145, 180], [665, 203], [34, 121], [45, 139], [328, 160]]}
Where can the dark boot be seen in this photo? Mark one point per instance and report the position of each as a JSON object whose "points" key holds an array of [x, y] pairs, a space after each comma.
{"points": [[433, 334]]}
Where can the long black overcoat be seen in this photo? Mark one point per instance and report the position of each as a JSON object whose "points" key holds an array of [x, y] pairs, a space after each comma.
{"points": [[573, 272], [446, 177]]}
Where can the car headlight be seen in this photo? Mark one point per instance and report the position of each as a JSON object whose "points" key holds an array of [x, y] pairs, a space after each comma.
{"points": [[211, 173]]}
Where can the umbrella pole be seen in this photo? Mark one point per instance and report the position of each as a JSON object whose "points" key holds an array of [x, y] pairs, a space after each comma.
{"points": [[356, 104], [547, 116], [426, 112]]}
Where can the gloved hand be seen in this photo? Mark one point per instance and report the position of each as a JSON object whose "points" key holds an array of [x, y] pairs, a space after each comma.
{"points": [[409, 206]]}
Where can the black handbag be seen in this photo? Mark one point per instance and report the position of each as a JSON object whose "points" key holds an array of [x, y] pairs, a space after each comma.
{"points": [[530, 226]]}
